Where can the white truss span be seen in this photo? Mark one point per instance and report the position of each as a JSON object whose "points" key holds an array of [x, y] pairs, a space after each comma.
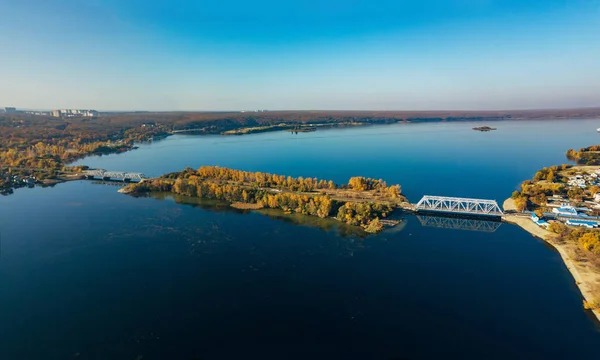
{"points": [[459, 205], [103, 174], [459, 223]]}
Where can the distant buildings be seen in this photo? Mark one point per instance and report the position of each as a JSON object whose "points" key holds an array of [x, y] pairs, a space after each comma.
{"points": [[65, 113], [37, 112]]}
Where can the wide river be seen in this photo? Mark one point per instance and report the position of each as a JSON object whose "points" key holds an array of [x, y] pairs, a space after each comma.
{"points": [[88, 273]]}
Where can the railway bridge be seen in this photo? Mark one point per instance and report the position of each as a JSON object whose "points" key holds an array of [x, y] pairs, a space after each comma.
{"points": [[459, 206], [114, 175]]}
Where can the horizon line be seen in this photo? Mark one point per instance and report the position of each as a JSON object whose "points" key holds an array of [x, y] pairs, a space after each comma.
{"points": [[311, 110]]}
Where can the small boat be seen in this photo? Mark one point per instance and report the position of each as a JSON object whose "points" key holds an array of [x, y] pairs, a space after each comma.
{"points": [[598, 129]]}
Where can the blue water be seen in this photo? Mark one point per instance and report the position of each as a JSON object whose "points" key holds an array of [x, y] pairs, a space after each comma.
{"points": [[437, 158], [88, 273]]}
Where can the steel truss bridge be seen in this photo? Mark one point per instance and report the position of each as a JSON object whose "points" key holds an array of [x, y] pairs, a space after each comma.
{"points": [[459, 223], [462, 206], [114, 175]]}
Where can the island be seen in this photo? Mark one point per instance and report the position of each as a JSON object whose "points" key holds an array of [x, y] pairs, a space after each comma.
{"points": [[484, 128], [363, 202], [561, 205]]}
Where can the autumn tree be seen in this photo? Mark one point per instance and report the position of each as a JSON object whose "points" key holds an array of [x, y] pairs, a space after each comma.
{"points": [[357, 183], [521, 203]]}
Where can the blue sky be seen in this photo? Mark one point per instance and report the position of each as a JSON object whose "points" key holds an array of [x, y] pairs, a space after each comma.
{"points": [[352, 54]]}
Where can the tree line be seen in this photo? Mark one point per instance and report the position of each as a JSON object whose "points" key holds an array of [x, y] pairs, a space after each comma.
{"points": [[585, 156], [299, 184]]}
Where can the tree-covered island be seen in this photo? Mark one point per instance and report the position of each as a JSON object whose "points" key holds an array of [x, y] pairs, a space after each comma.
{"points": [[362, 202]]}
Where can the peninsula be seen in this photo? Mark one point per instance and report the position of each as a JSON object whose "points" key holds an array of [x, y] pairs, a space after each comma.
{"points": [[362, 202], [561, 206]]}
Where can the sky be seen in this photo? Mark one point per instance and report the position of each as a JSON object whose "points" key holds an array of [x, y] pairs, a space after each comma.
{"points": [[299, 55]]}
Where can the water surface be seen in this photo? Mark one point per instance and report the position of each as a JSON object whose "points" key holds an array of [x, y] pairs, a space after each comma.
{"points": [[88, 273]]}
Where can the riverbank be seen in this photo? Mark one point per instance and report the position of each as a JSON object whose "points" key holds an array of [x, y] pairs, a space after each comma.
{"points": [[587, 278], [292, 127]]}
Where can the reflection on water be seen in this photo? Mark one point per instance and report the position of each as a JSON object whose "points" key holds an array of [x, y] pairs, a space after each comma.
{"points": [[470, 224], [325, 224], [349, 240], [205, 204], [110, 182]]}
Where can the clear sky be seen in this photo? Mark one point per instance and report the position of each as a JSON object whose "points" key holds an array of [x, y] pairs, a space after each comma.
{"points": [[308, 54]]}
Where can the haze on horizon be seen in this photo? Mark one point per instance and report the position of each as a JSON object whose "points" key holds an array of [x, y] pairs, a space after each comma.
{"points": [[313, 54]]}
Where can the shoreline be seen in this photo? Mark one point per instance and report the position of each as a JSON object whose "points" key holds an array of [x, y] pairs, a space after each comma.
{"points": [[585, 277]]}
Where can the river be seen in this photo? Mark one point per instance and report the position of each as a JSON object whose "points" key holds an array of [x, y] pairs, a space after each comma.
{"points": [[88, 273]]}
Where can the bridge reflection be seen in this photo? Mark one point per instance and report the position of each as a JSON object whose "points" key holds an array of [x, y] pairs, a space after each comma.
{"points": [[459, 223]]}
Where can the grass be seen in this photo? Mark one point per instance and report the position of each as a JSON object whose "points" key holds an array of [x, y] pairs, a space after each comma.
{"points": [[246, 206]]}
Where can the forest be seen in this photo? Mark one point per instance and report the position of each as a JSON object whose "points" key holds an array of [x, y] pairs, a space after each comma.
{"points": [[41, 146], [585, 156], [308, 196], [546, 182]]}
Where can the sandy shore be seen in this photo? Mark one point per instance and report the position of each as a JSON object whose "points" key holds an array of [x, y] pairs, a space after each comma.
{"points": [[586, 277]]}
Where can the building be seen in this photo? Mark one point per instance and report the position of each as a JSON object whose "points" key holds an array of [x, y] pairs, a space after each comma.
{"points": [[565, 209], [39, 113], [587, 224], [10, 110], [65, 113], [538, 221]]}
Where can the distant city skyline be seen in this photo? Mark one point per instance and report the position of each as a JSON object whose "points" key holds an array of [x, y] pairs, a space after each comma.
{"points": [[112, 55]]}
